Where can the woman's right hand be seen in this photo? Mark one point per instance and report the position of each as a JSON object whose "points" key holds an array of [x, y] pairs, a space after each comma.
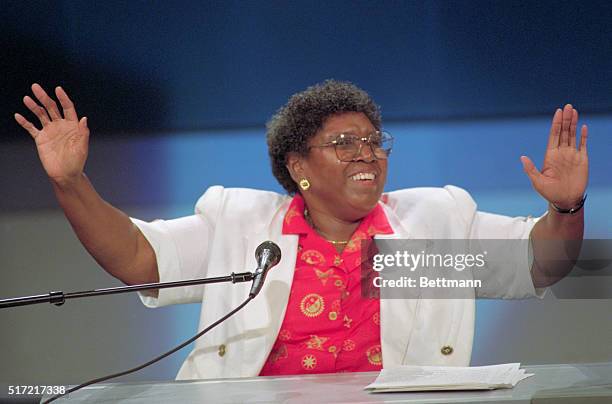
{"points": [[62, 142]]}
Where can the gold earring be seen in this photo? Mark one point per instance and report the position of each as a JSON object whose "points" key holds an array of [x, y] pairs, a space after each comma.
{"points": [[304, 184]]}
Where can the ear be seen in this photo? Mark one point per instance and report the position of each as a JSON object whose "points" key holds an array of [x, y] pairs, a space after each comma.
{"points": [[295, 165]]}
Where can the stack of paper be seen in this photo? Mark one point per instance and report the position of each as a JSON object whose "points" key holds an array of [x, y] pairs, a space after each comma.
{"points": [[427, 378]]}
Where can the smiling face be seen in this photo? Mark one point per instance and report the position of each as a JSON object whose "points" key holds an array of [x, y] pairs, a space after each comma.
{"points": [[346, 190]]}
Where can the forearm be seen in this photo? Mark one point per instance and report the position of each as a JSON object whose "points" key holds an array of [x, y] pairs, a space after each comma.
{"points": [[556, 240], [106, 232]]}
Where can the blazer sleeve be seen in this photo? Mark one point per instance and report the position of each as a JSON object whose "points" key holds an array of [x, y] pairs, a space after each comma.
{"points": [[181, 248], [507, 272]]}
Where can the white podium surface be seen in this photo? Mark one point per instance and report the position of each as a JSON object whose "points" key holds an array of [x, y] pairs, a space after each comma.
{"points": [[564, 383]]}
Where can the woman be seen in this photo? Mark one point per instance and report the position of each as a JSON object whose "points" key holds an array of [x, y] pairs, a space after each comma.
{"points": [[328, 151]]}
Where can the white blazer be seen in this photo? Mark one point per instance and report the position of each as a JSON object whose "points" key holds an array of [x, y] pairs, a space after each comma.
{"points": [[229, 224]]}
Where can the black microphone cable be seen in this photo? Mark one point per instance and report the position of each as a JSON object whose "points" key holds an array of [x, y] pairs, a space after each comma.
{"points": [[157, 359]]}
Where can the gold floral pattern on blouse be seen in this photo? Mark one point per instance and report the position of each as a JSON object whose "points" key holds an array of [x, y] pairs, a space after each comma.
{"points": [[312, 305], [309, 362], [316, 342], [313, 257], [374, 355], [324, 276]]}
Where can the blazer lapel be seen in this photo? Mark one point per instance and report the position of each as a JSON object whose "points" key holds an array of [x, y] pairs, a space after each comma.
{"points": [[263, 316], [397, 316]]}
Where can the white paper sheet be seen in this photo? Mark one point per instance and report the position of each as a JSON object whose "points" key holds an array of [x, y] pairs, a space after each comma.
{"points": [[424, 378]]}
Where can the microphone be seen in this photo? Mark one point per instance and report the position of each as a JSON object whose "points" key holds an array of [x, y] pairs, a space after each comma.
{"points": [[267, 255]]}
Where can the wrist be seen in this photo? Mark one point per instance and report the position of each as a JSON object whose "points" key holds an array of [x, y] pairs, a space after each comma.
{"points": [[570, 208], [67, 183]]}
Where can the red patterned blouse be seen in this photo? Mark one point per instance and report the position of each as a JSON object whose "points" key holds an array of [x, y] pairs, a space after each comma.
{"points": [[328, 326]]}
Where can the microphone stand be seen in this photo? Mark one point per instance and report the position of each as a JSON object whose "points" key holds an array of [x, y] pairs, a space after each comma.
{"points": [[267, 255], [58, 297]]}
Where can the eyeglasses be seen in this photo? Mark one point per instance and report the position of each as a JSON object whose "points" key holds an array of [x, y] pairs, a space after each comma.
{"points": [[348, 147]]}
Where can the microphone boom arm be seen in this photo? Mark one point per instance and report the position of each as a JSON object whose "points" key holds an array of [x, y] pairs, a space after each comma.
{"points": [[58, 297]]}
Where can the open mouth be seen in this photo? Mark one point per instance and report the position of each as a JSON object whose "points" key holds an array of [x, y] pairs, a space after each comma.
{"points": [[363, 177]]}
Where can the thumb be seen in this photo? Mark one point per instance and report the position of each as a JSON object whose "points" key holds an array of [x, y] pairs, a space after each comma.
{"points": [[83, 128], [530, 169]]}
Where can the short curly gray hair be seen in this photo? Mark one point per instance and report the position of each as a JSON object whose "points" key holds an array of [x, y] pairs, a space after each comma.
{"points": [[304, 114]]}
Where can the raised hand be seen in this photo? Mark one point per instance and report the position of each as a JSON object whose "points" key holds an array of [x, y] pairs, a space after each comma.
{"points": [[564, 175], [62, 142]]}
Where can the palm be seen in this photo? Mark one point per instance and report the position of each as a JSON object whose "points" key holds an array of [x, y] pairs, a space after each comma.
{"points": [[564, 175], [62, 150], [62, 142]]}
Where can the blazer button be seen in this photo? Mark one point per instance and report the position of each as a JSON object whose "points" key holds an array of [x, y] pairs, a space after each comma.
{"points": [[446, 350], [221, 350]]}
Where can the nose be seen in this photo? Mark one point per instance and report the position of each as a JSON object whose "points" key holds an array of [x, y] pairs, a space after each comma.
{"points": [[365, 152]]}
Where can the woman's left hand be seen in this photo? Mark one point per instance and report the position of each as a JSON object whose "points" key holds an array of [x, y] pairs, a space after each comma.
{"points": [[564, 175]]}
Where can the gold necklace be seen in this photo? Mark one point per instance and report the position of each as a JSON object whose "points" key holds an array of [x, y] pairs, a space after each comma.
{"points": [[311, 223]]}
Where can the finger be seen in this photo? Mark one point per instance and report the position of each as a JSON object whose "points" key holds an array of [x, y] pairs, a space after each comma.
{"points": [[27, 125], [584, 132], [572, 132], [530, 169], [565, 125], [555, 130], [45, 100], [83, 128], [67, 105], [37, 110]]}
